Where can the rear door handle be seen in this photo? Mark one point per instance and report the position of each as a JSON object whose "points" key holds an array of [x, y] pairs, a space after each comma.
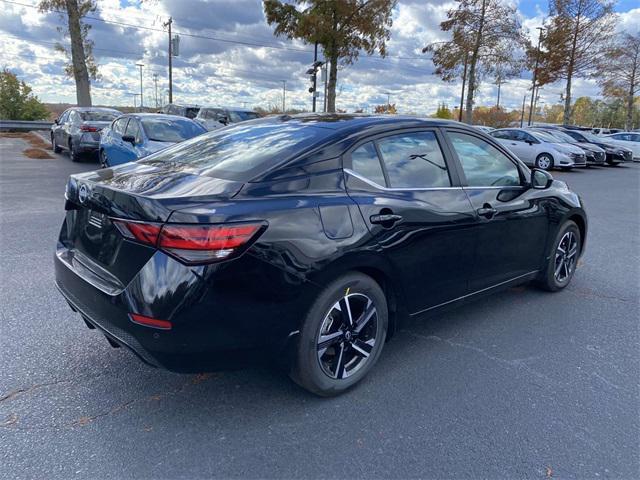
{"points": [[487, 211], [385, 218]]}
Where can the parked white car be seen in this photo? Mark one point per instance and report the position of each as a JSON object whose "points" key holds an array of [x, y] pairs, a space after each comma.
{"points": [[212, 118], [630, 140], [539, 149]]}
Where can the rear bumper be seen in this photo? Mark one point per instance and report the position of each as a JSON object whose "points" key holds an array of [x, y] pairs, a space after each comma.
{"points": [[212, 328]]}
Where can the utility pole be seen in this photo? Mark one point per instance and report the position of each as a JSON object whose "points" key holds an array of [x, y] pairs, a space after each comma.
{"points": [[464, 84], [284, 95], [315, 60], [535, 74], [524, 101], [155, 80], [141, 97], [168, 24]]}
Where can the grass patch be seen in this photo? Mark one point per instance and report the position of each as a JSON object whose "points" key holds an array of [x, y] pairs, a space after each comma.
{"points": [[36, 153], [33, 139]]}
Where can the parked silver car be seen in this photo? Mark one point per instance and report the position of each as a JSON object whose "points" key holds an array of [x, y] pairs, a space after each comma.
{"points": [[217, 117], [539, 149], [595, 154], [78, 130]]}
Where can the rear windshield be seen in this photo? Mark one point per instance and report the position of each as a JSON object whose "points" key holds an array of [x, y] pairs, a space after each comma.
{"points": [[170, 130], [241, 151], [98, 116], [242, 116]]}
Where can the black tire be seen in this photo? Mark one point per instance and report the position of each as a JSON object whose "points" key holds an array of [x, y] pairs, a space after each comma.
{"points": [[312, 369], [544, 161], [54, 145], [73, 155], [549, 279], [104, 161]]}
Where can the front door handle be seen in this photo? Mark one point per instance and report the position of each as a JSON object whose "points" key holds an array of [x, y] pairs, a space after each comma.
{"points": [[385, 219], [487, 211]]}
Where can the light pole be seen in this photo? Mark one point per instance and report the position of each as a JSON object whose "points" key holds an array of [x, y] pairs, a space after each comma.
{"points": [[141, 97], [155, 80], [284, 95], [535, 74], [168, 24]]}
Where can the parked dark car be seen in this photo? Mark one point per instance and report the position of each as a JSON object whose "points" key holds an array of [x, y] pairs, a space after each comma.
{"points": [[595, 155], [137, 135], [307, 239], [78, 130], [615, 153], [187, 110]]}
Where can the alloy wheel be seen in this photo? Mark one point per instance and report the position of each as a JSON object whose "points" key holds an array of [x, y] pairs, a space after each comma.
{"points": [[566, 257], [347, 335]]}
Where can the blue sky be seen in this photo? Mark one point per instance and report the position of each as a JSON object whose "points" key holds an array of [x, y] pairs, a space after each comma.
{"points": [[218, 66]]}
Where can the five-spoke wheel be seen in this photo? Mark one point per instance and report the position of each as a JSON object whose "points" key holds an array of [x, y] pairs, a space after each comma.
{"points": [[563, 258], [342, 335]]}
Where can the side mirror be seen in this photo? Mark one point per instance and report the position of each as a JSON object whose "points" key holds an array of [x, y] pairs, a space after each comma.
{"points": [[129, 138], [57, 121], [540, 179]]}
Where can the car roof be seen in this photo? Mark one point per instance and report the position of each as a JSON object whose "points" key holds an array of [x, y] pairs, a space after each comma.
{"points": [[94, 109], [222, 107], [158, 116], [343, 122]]}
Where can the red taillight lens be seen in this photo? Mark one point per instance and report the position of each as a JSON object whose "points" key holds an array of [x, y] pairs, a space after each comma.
{"points": [[193, 244], [203, 244], [143, 232], [150, 322], [88, 128]]}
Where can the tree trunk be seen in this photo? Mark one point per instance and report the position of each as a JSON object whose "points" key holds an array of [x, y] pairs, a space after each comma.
{"points": [[632, 89], [468, 116], [80, 72], [331, 87], [566, 116]]}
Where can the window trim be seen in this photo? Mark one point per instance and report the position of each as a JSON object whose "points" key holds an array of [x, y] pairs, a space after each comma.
{"points": [[523, 170], [126, 123], [454, 178]]}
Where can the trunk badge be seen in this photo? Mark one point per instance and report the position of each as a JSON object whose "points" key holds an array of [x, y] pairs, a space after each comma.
{"points": [[83, 193]]}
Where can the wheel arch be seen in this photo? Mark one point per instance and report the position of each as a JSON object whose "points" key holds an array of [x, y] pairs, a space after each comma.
{"points": [[582, 226]]}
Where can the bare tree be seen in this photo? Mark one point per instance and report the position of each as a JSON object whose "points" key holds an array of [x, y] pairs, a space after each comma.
{"points": [[577, 38], [484, 34], [619, 72], [83, 66]]}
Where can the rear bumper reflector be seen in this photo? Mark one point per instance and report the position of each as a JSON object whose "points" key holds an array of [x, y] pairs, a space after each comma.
{"points": [[150, 322]]}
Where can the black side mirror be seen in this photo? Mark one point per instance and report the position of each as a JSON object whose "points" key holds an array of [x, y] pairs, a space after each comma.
{"points": [[129, 138], [540, 179], [57, 121]]}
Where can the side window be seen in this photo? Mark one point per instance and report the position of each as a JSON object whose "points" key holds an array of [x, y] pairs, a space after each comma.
{"points": [[133, 129], [64, 117], [529, 138], [365, 162], [504, 134], [518, 135], [119, 125], [482, 163], [414, 160], [74, 117]]}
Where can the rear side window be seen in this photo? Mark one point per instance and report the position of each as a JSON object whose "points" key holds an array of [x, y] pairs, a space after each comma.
{"points": [[365, 162], [119, 125], [414, 160], [482, 163], [133, 129]]}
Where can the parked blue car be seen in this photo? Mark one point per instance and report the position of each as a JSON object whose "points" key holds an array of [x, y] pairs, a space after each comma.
{"points": [[133, 136]]}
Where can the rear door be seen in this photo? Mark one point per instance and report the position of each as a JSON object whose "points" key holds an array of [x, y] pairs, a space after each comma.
{"points": [[418, 214], [513, 220], [114, 147]]}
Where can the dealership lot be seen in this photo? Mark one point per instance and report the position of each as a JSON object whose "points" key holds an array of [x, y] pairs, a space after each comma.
{"points": [[521, 384]]}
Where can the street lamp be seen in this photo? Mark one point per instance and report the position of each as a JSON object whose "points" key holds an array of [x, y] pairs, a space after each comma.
{"points": [[141, 97]]}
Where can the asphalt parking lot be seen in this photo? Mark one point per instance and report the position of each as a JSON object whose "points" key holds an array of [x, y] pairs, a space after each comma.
{"points": [[523, 384]]}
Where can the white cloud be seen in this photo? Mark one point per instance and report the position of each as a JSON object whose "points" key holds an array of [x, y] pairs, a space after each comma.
{"points": [[215, 70]]}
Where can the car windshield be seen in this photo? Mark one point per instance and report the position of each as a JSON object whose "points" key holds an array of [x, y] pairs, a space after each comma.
{"points": [[591, 137], [170, 130], [241, 116], [546, 136], [239, 152], [563, 137], [98, 116]]}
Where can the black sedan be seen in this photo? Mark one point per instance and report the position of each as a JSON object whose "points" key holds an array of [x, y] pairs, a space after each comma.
{"points": [[615, 153], [307, 239]]}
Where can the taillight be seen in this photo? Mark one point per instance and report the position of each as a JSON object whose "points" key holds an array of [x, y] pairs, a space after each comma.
{"points": [[88, 128], [150, 322], [193, 244]]}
